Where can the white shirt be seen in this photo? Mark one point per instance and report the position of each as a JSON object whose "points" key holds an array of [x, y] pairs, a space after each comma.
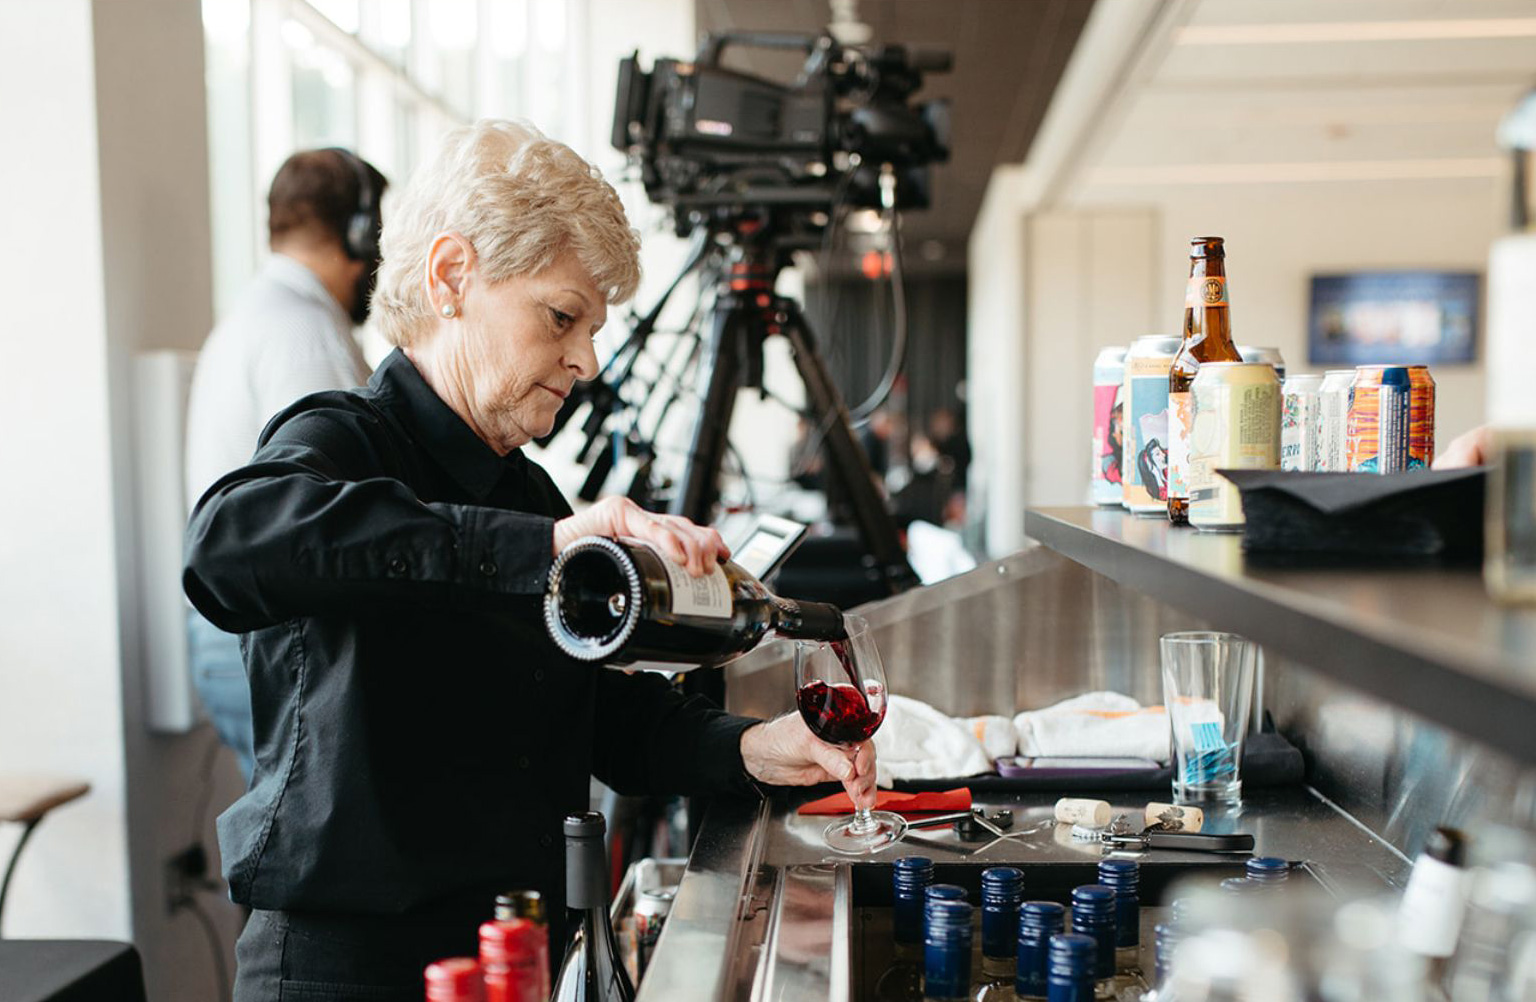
{"points": [[287, 337]]}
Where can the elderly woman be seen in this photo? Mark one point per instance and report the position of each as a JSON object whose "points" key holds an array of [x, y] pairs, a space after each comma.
{"points": [[418, 739]]}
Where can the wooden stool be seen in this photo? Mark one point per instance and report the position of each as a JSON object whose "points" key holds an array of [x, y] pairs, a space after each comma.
{"points": [[27, 799]]}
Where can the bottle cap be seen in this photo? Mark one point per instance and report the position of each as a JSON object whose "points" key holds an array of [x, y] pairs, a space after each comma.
{"points": [[948, 916], [1002, 882], [1094, 898], [454, 978], [944, 892], [912, 873], [1040, 917], [587, 824], [508, 941], [521, 904], [1121, 874], [1447, 845], [1267, 869], [1072, 955]]}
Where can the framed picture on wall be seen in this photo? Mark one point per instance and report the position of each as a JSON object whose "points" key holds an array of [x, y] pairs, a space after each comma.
{"points": [[1405, 317]]}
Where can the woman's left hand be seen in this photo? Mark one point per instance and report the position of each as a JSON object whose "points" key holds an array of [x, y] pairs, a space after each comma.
{"points": [[784, 752]]}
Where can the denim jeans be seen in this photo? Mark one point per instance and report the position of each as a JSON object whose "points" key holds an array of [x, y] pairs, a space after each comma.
{"points": [[218, 674]]}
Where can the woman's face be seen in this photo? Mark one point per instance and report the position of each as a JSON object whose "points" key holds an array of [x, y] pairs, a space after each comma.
{"points": [[520, 345]]}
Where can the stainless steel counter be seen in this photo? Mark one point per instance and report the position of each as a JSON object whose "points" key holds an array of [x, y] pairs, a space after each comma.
{"points": [[765, 912]]}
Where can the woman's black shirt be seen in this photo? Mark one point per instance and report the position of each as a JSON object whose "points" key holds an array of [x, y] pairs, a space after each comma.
{"points": [[418, 738]]}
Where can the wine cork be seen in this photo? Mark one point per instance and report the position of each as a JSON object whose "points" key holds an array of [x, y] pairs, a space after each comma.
{"points": [[1175, 818], [1088, 813]]}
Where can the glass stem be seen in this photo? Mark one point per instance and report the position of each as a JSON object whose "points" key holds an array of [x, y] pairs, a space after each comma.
{"points": [[863, 822]]}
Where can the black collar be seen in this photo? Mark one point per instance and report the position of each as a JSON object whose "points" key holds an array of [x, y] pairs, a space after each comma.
{"points": [[443, 434]]}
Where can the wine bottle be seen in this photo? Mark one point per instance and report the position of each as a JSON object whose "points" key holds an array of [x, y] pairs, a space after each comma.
{"points": [[592, 970], [1434, 904], [621, 601]]}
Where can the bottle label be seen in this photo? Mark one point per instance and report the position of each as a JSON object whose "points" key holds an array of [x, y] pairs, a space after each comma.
{"points": [[1206, 291], [708, 596], [1432, 907], [1180, 418]]}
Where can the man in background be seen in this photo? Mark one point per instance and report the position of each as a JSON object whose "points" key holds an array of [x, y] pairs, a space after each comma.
{"points": [[289, 335]]}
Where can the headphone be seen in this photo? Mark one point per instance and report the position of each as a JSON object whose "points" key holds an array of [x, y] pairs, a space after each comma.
{"points": [[361, 239]]}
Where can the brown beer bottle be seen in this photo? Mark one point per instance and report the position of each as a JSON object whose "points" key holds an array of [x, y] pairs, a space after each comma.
{"points": [[1207, 338]]}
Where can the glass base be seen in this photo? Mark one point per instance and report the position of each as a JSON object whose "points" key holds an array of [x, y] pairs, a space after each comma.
{"points": [[1217, 792], [881, 829]]}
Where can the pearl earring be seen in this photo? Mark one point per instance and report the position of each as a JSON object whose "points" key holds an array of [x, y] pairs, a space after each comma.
{"points": [[449, 311]]}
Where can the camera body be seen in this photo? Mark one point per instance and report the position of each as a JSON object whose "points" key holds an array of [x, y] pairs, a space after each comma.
{"points": [[710, 138]]}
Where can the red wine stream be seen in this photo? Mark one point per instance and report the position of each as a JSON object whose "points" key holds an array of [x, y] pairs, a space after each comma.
{"points": [[839, 713]]}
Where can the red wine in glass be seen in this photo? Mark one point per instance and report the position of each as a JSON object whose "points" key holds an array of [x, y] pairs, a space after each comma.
{"points": [[840, 691], [839, 713]]}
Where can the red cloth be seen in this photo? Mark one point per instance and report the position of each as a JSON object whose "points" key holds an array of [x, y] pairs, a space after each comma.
{"points": [[958, 799]]}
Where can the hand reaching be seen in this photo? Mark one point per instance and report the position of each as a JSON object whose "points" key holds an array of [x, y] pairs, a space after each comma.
{"points": [[695, 547]]}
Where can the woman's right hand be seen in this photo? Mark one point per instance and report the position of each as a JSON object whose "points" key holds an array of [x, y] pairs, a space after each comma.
{"points": [[698, 548]]}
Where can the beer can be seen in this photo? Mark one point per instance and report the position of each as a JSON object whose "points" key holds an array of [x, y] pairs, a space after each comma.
{"points": [[1380, 393], [1269, 356], [651, 910], [1301, 423], [1421, 433], [1144, 456], [1236, 427], [1334, 395], [1108, 426]]}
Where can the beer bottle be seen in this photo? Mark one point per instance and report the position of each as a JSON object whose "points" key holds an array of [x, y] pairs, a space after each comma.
{"points": [[1207, 338]]}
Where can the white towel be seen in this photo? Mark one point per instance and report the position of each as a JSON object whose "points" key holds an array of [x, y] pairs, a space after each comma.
{"points": [[1094, 725], [996, 734], [915, 741]]}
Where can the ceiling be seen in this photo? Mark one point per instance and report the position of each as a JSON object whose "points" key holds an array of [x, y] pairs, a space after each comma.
{"points": [[1008, 56], [1258, 93]]}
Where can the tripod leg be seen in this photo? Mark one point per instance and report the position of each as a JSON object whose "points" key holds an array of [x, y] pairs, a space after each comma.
{"points": [[848, 460], [719, 371]]}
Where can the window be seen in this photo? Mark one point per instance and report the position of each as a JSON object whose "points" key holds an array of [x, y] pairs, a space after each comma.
{"points": [[382, 77]]}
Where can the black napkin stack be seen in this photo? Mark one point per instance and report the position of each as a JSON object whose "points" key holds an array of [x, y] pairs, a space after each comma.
{"points": [[1420, 516]]}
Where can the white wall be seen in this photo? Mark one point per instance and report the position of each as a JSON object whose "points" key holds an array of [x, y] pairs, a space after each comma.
{"points": [[60, 682], [108, 254]]}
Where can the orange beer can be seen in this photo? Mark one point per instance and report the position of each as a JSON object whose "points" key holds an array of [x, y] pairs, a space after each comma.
{"points": [[1363, 444]]}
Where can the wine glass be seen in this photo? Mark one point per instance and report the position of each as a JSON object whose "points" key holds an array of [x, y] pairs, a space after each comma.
{"points": [[840, 689]]}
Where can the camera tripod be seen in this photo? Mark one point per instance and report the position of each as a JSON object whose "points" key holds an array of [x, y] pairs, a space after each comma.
{"points": [[745, 312]]}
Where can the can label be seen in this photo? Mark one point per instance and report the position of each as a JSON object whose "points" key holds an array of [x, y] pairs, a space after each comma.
{"points": [[1370, 447], [1334, 424], [1145, 468], [1236, 427], [1180, 417], [1393, 410], [1108, 439], [1301, 433], [1421, 420]]}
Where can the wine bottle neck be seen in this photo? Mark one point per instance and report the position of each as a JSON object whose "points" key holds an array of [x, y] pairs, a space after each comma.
{"points": [[586, 885], [808, 620]]}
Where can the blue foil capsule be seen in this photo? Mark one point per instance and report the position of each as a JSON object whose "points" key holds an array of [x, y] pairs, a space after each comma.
{"points": [[910, 879], [947, 950], [1070, 967], [1093, 914], [1038, 922]]}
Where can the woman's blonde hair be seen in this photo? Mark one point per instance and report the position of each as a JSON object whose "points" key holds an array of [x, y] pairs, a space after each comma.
{"points": [[522, 200]]}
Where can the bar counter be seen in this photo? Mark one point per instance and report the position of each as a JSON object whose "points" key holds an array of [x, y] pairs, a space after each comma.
{"points": [[1371, 674]]}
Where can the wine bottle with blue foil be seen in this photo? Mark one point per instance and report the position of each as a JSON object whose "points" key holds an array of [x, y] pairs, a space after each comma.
{"points": [[911, 876], [619, 601], [1002, 891], [1093, 914], [592, 970], [947, 951]]}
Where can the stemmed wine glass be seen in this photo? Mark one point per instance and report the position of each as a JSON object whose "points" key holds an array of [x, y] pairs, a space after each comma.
{"points": [[840, 689]]}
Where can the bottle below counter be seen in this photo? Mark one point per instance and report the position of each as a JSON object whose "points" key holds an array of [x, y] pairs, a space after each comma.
{"points": [[592, 970], [619, 601]]}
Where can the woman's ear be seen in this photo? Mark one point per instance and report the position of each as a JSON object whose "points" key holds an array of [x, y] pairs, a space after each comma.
{"points": [[450, 263]]}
